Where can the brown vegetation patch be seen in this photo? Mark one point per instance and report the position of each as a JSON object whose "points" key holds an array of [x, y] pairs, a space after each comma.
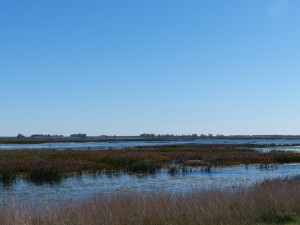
{"points": [[141, 158]]}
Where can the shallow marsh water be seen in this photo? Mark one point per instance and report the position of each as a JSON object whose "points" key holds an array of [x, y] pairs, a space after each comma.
{"points": [[126, 144], [84, 186]]}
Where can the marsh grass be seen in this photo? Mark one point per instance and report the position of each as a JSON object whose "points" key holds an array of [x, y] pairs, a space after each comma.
{"points": [[7, 175], [278, 217], [133, 160], [273, 202], [147, 166], [131, 164], [42, 175], [289, 157]]}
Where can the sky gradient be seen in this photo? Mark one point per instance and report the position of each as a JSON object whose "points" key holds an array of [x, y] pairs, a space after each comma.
{"points": [[161, 66]]}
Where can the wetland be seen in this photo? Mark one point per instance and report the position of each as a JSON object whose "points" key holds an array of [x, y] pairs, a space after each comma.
{"points": [[47, 175]]}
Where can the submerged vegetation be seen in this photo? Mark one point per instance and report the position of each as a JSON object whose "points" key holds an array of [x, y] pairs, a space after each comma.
{"points": [[47, 165], [272, 202]]}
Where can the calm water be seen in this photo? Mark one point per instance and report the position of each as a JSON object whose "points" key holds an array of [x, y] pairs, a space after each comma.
{"points": [[80, 187], [279, 148], [125, 144]]}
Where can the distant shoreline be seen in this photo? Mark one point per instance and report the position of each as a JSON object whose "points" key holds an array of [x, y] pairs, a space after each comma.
{"points": [[40, 140]]}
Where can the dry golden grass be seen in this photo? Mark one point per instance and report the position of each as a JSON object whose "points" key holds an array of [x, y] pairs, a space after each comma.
{"points": [[275, 202]]}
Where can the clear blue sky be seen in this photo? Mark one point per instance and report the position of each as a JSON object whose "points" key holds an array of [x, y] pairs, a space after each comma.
{"points": [[162, 66]]}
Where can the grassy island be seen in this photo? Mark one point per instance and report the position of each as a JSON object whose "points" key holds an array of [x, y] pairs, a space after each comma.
{"points": [[50, 164]]}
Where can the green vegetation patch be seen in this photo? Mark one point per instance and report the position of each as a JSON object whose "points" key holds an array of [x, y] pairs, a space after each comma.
{"points": [[7, 175], [287, 158], [131, 164], [45, 174], [273, 217]]}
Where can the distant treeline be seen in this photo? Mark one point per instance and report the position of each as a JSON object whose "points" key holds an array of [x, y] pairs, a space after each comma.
{"points": [[51, 136], [183, 135], [45, 135]]}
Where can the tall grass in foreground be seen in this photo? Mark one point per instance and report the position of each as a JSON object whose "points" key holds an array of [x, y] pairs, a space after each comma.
{"points": [[275, 202]]}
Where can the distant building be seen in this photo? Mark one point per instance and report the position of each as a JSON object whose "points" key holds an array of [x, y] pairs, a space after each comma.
{"points": [[20, 136], [78, 135], [147, 135]]}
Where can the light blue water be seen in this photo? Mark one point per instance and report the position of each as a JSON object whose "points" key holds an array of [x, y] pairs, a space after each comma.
{"points": [[278, 148], [81, 187], [125, 144]]}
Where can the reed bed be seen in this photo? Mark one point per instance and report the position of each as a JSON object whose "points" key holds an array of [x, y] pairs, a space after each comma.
{"points": [[51, 164], [273, 202]]}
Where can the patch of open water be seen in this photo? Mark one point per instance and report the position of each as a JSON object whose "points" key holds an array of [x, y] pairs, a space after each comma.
{"points": [[84, 186], [126, 144], [278, 148]]}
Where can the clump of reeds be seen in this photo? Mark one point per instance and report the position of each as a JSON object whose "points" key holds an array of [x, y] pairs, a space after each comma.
{"points": [[287, 157], [45, 175], [146, 166], [7, 175], [132, 164]]}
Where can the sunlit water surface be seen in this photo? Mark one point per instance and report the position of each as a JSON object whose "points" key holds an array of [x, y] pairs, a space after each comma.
{"points": [[84, 186], [125, 144]]}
